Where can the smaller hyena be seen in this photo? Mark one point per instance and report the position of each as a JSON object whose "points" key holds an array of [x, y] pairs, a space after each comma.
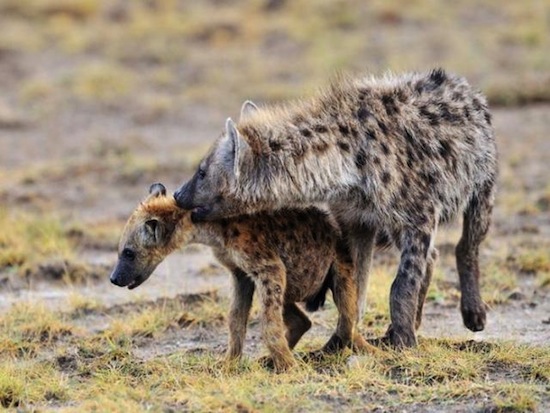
{"points": [[288, 257]]}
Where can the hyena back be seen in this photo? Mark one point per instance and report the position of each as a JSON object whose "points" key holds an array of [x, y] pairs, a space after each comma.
{"points": [[288, 257], [399, 154]]}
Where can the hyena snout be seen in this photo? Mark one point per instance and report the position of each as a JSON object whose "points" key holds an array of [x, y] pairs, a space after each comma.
{"points": [[125, 277], [183, 197]]}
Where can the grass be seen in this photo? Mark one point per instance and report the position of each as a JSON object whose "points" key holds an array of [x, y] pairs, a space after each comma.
{"points": [[30, 239], [59, 360], [206, 50]]}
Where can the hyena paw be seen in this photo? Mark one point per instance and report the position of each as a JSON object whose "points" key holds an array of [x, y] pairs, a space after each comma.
{"points": [[336, 344], [400, 337], [360, 344], [277, 364], [474, 316]]}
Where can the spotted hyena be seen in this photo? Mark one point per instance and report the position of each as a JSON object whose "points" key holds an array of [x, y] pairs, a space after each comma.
{"points": [[288, 256], [398, 155]]}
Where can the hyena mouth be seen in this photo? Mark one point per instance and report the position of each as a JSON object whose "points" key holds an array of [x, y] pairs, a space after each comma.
{"points": [[200, 213], [136, 283]]}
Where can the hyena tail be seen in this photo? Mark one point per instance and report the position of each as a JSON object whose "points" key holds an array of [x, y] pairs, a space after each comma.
{"points": [[477, 219], [318, 300]]}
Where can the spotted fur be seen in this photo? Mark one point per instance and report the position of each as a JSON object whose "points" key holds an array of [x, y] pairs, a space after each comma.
{"points": [[287, 256], [398, 154]]}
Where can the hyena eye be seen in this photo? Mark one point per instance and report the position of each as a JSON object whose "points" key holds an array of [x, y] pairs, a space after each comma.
{"points": [[201, 173], [128, 254]]}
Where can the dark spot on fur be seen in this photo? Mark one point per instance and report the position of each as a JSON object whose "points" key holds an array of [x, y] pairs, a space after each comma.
{"points": [[447, 114], [275, 146], [370, 134], [235, 233], [344, 130], [413, 249], [409, 136], [431, 177], [362, 114], [438, 77], [389, 104], [433, 118], [407, 264], [363, 92], [344, 146], [360, 159], [353, 131], [401, 95], [320, 128], [467, 114], [305, 132], [382, 126], [385, 148], [386, 177], [487, 116], [477, 104], [321, 147], [376, 160], [445, 149]]}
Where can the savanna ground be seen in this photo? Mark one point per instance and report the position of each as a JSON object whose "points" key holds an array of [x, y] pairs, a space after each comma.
{"points": [[99, 100]]}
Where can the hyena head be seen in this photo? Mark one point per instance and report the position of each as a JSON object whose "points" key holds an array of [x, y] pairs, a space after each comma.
{"points": [[149, 236], [208, 192]]}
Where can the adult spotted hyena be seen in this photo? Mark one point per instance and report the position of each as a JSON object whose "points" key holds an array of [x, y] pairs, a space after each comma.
{"points": [[288, 256], [399, 154]]}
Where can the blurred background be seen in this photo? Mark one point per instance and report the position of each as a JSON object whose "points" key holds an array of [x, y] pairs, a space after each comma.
{"points": [[100, 99]]}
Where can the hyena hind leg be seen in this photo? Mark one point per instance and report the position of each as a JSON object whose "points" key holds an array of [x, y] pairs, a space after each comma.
{"points": [[362, 241], [297, 323], [345, 298], [477, 219], [241, 302], [271, 289]]}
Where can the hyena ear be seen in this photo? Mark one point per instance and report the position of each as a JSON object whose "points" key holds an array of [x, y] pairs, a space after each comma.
{"points": [[154, 232], [247, 109], [157, 189], [235, 146]]}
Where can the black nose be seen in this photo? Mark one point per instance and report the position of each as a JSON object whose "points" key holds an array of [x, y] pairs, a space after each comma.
{"points": [[115, 279], [182, 200]]}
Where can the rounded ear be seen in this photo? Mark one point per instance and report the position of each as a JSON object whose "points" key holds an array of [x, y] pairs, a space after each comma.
{"points": [[233, 148], [247, 109], [154, 230], [157, 189]]}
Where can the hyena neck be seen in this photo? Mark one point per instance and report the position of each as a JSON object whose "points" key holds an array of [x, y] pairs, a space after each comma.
{"points": [[208, 233], [291, 161]]}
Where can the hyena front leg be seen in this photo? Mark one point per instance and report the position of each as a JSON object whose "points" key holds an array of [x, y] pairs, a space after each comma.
{"points": [[270, 284], [361, 241], [405, 290], [433, 254], [345, 299], [297, 323], [477, 219], [241, 302]]}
